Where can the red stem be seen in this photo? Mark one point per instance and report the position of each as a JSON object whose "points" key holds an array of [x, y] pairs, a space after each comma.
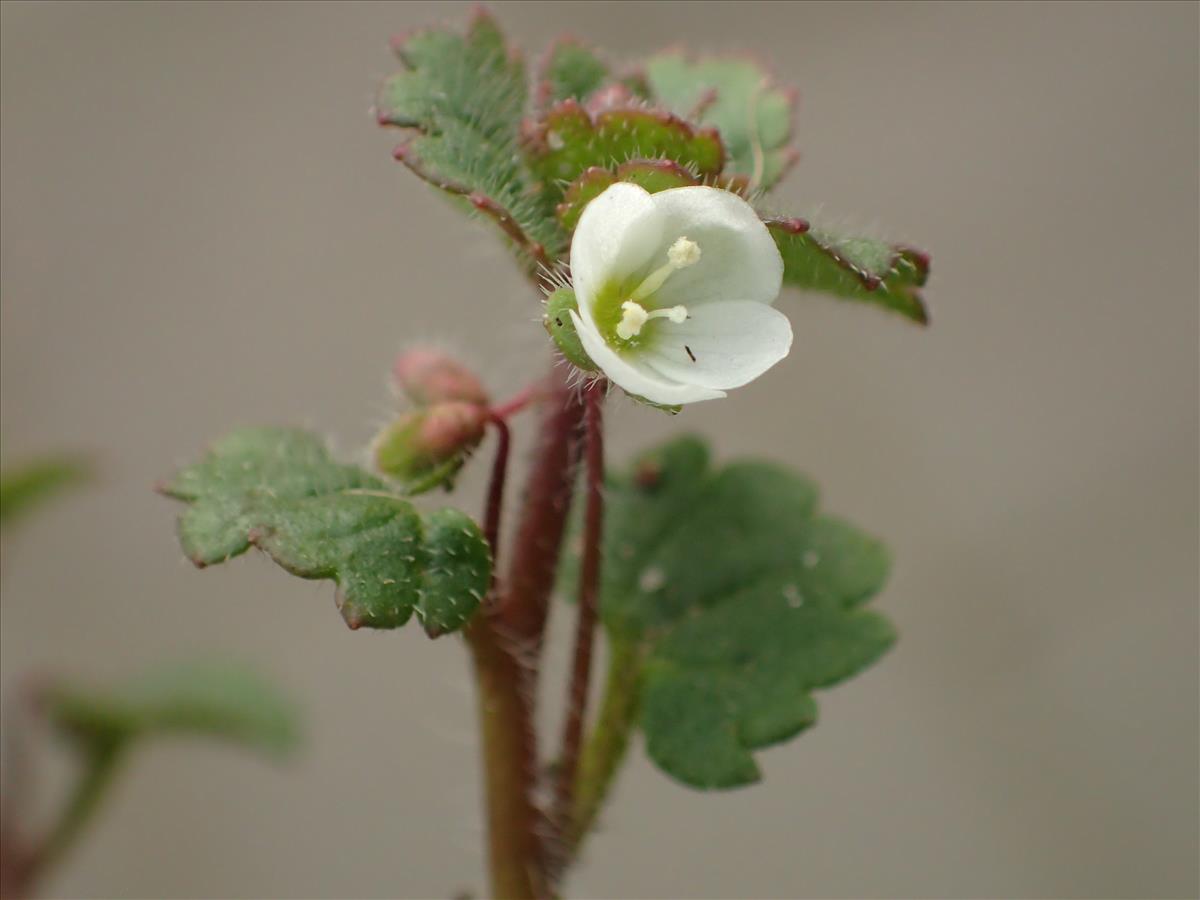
{"points": [[515, 404], [504, 640], [534, 562], [495, 496], [585, 631], [516, 857]]}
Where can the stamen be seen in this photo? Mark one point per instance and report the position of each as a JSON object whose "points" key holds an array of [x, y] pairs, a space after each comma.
{"points": [[634, 316], [683, 253]]}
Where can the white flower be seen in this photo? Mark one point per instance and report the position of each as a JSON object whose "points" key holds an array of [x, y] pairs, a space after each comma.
{"points": [[675, 292]]}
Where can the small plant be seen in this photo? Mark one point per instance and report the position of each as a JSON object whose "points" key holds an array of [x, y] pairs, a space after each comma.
{"points": [[635, 200]]}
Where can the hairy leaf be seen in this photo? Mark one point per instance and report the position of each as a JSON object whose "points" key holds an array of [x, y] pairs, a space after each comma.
{"points": [[862, 269], [652, 174], [568, 140], [753, 116], [464, 97], [24, 487], [742, 599], [279, 490], [212, 699]]}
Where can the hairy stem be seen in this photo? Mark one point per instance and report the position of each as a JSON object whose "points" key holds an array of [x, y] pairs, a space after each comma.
{"points": [[585, 633], [504, 639], [514, 823], [608, 742], [534, 563], [586, 625]]}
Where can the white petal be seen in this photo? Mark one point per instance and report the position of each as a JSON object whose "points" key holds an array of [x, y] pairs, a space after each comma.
{"points": [[738, 256], [733, 342], [634, 377], [618, 235]]}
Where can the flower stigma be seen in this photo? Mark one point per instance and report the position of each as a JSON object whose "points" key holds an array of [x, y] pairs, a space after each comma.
{"points": [[683, 253]]}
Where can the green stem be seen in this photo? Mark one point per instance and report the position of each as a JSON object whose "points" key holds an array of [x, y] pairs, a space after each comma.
{"points": [[100, 767], [609, 740]]}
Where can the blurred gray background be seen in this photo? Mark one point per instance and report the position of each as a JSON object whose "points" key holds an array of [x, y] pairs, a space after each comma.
{"points": [[202, 227]]}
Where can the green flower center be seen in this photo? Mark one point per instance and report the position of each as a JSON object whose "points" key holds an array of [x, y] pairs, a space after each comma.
{"points": [[625, 313]]}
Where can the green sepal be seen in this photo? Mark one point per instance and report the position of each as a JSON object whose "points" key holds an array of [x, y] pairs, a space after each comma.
{"points": [[415, 473], [736, 96], [279, 490], [560, 327], [568, 140], [862, 269], [206, 698], [742, 600], [410, 452], [671, 409]]}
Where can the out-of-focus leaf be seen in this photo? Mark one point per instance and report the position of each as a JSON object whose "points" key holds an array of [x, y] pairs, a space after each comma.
{"points": [[570, 71], [209, 699], [737, 96], [24, 487]]}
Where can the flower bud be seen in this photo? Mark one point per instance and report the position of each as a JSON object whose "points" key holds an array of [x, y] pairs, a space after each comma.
{"points": [[425, 448], [429, 376]]}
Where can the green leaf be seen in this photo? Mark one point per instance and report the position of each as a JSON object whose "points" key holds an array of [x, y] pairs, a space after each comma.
{"points": [[29, 485], [742, 600], [209, 699], [464, 98], [653, 175], [753, 116], [568, 140], [279, 490], [570, 71], [862, 269]]}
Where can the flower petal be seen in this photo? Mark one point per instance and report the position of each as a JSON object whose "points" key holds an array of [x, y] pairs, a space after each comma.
{"points": [[721, 345], [619, 235], [634, 378], [738, 256]]}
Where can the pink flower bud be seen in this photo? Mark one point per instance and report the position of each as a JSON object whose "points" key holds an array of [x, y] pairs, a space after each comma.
{"points": [[429, 376], [426, 448]]}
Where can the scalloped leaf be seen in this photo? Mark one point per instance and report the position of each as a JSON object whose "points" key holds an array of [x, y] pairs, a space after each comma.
{"points": [[740, 599], [279, 490], [205, 698], [736, 96], [568, 140], [652, 174], [464, 98], [862, 269]]}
